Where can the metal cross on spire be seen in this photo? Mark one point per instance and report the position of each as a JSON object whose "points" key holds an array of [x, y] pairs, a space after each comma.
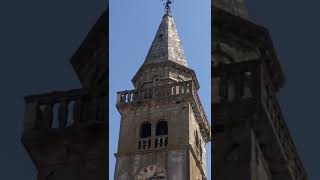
{"points": [[167, 6]]}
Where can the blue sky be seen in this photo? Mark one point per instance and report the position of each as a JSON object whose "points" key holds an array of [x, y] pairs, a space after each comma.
{"points": [[133, 25]]}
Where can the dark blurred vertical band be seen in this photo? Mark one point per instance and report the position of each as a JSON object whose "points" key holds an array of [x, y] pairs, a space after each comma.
{"points": [[66, 132]]}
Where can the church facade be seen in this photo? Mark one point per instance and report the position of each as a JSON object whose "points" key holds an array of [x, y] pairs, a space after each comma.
{"points": [[251, 137], [163, 127]]}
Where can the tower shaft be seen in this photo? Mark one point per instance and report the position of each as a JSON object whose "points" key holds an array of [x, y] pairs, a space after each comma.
{"points": [[252, 140], [163, 124]]}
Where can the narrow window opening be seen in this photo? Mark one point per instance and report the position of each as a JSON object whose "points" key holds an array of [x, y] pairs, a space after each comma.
{"points": [[70, 120], [231, 90], [162, 128], [161, 139], [197, 139], [145, 130], [55, 119], [145, 136]]}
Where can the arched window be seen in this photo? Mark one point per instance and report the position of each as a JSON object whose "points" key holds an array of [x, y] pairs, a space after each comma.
{"points": [[145, 136], [161, 139], [145, 130], [162, 128]]}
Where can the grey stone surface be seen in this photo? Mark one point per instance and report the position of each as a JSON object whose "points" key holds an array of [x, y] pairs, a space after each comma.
{"points": [[166, 45]]}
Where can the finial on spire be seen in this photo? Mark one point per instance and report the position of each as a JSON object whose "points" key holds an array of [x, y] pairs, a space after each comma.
{"points": [[167, 6]]}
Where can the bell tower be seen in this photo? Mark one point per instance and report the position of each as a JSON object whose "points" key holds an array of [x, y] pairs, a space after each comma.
{"points": [[252, 140], [163, 129]]}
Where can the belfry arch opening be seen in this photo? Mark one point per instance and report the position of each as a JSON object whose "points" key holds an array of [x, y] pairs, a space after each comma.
{"points": [[144, 141], [145, 130], [161, 139], [162, 128]]}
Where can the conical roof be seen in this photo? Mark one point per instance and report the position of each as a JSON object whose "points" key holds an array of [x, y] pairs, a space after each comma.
{"points": [[166, 45]]}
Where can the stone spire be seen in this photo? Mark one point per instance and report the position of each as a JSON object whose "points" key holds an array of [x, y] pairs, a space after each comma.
{"points": [[166, 46], [236, 7]]}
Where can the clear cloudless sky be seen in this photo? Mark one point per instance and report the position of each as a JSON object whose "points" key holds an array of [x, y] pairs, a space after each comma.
{"points": [[133, 25]]}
